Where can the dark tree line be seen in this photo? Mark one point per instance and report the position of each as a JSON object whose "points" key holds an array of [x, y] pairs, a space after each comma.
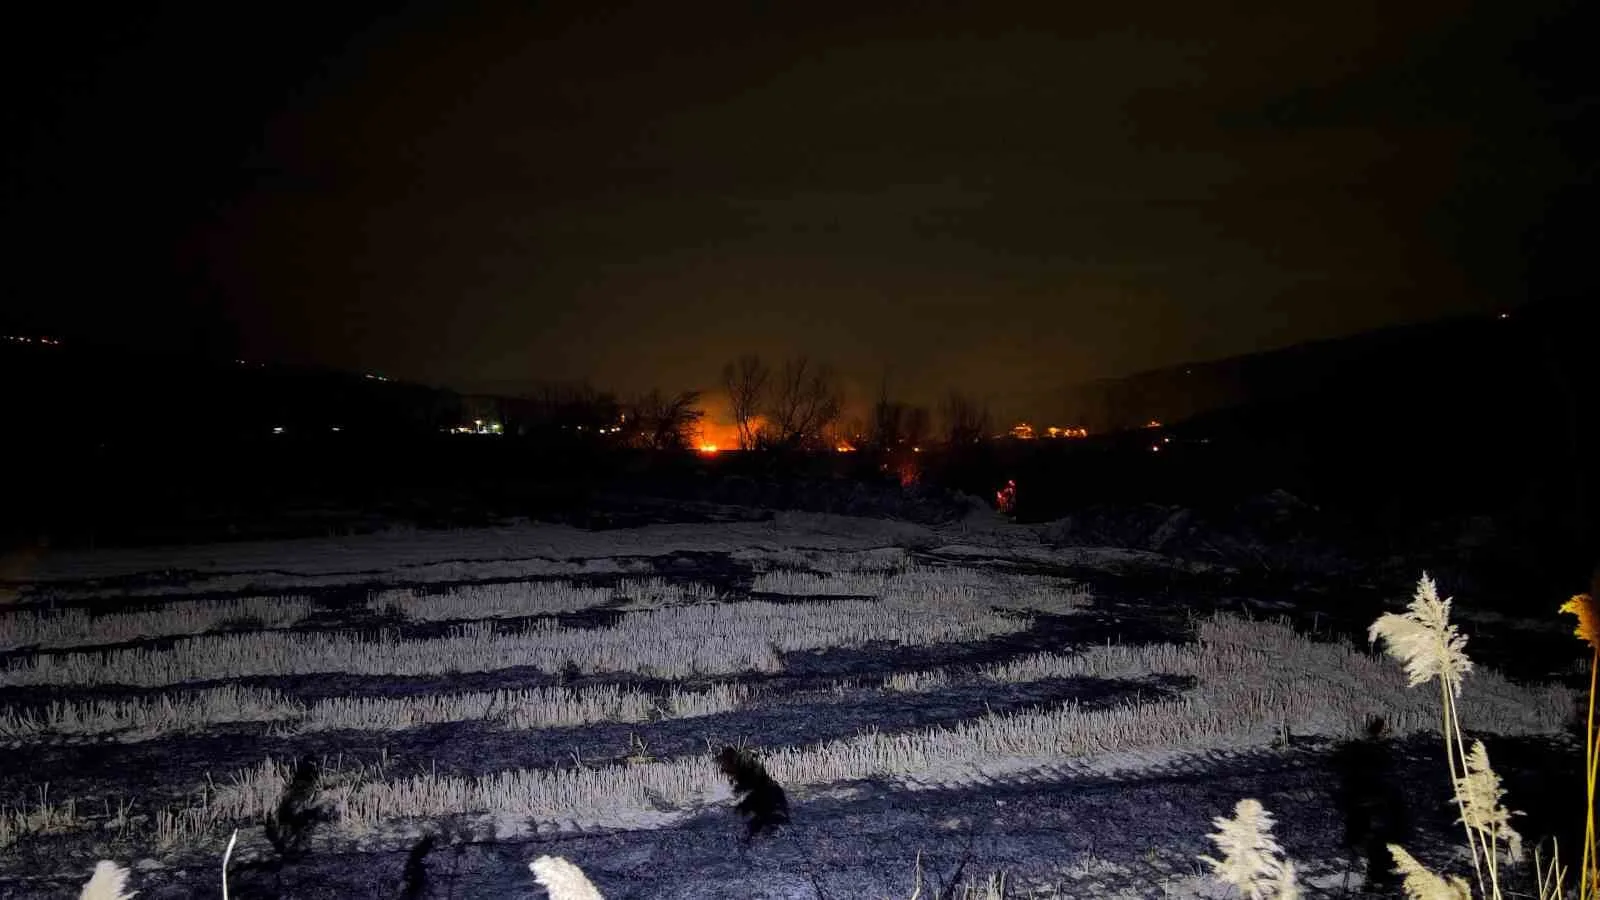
{"points": [[793, 407], [798, 405]]}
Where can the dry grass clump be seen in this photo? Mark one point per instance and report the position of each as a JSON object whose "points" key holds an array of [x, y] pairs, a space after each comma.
{"points": [[999, 590], [554, 707], [488, 601], [1106, 661], [1309, 687], [146, 718], [676, 642], [654, 593], [716, 699], [77, 628], [618, 795], [808, 584], [612, 794], [143, 718], [832, 562], [43, 817], [911, 682], [1331, 687], [944, 586], [535, 708]]}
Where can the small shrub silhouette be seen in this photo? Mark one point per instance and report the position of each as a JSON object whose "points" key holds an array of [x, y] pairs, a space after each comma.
{"points": [[764, 802], [415, 878], [289, 827], [1372, 804]]}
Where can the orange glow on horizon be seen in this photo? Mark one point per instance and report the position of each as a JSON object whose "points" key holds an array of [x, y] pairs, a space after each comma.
{"points": [[707, 449], [1074, 431]]}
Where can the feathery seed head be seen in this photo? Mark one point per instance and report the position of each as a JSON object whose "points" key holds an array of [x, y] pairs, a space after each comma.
{"points": [[1582, 606], [1286, 886], [1423, 640], [1421, 884], [1479, 792], [109, 882], [1250, 855], [562, 879]]}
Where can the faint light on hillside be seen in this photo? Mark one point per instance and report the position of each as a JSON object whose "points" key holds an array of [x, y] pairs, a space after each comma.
{"points": [[1153, 423]]}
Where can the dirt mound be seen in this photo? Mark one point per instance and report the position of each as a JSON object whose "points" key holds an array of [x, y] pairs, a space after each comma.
{"points": [[1275, 531]]}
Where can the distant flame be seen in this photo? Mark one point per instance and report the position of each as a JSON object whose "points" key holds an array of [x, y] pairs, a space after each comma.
{"points": [[844, 447], [707, 449]]}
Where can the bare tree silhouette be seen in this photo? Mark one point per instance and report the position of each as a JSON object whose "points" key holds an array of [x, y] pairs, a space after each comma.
{"points": [[659, 422], [806, 398], [966, 420], [745, 379]]}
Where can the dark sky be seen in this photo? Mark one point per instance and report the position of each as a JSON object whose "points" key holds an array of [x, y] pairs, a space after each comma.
{"points": [[1006, 198]]}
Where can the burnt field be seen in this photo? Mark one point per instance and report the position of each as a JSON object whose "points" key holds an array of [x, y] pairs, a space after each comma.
{"points": [[421, 713]]}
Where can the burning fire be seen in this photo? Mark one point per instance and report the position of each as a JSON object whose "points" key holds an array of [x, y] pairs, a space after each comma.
{"points": [[716, 434]]}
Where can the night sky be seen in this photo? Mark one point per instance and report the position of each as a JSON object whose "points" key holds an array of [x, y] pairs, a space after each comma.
{"points": [[1009, 201]]}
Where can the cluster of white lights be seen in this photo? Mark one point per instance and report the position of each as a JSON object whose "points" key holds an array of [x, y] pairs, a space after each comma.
{"points": [[478, 426]]}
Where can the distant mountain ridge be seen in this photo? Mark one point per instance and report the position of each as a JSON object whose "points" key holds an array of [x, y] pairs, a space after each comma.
{"points": [[1431, 357]]}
